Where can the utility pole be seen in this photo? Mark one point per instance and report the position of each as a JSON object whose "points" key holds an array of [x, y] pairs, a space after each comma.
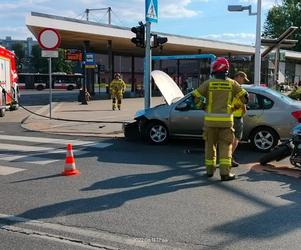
{"points": [[109, 11], [147, 67]]}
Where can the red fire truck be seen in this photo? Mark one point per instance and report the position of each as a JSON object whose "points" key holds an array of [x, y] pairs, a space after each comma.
{"points": [[9, 91]]}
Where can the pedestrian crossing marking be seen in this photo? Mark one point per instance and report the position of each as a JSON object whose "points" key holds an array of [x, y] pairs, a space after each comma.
{"points": [[9, 170], [55, 141], [41, 155], [23, 148]]}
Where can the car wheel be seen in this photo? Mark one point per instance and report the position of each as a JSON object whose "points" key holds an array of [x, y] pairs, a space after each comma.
{"points": [[156, 133], [40, 87], [264, 139], [70, 87]]}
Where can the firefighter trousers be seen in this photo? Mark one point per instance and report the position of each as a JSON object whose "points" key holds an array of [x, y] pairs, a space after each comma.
{"points": [[117, 96], [222, 139]]}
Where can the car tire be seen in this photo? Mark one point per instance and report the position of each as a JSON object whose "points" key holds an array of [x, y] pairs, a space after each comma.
{"points": [[40, 87], [264, 139], [156, 133], [70, 87], [277, 154]]}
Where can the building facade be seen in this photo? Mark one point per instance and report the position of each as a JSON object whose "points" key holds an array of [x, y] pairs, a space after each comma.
{"points": [[116, 53]]}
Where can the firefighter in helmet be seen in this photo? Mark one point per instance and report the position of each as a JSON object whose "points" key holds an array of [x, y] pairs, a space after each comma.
{"points": [[117, 88], [219, 92]]}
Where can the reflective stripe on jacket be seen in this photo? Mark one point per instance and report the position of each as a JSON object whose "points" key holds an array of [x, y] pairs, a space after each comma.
{"points": [[219, 94]]}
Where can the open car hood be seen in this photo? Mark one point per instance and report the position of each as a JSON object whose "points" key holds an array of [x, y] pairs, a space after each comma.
{"points": [[169, 89]]}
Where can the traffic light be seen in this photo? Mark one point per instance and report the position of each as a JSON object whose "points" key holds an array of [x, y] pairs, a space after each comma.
{"points": [[139, 40], [158, 40]]}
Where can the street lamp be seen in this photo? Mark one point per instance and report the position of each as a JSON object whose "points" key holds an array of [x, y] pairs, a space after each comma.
{"points": [[257, 65]]}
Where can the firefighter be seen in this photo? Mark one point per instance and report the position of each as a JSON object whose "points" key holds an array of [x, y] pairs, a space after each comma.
{"points": [[117, 88], [219, 92], [239, 111]]}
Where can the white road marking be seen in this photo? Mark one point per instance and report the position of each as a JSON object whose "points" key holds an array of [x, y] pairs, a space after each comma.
{"points": [[39, 154], [9, 170], [24, 148], [55, 141], [37, 226], [37, 158]]}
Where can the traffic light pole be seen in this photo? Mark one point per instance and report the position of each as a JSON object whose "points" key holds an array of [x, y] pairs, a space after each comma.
{"points": [[147, 67]]}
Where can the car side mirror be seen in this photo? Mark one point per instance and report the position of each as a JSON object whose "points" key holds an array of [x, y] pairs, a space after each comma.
{"points": [[182, 106]]}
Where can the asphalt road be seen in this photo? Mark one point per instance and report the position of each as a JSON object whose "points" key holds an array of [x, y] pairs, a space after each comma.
{"points": [[130, 195]]}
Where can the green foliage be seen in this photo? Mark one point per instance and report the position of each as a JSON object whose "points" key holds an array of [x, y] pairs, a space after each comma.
{"points": [[20, 53], [60, 65], [295, 94], [281, 17], [40, 64]]}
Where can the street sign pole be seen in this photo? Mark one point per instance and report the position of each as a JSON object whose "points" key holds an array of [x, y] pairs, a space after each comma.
{"points": [[151, 16], [50, 86], [147, 68], [49, 40]]}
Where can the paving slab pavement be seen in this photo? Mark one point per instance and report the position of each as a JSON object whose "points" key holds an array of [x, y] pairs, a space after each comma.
{"points": [[91, 116]]}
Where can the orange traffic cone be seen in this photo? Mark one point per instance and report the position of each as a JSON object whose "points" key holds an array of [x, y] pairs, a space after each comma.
{"points": [[70, 168]]}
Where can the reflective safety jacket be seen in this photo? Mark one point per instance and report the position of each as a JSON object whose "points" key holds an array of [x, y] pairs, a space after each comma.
{"points": [[117, 86], [238, 107], [219, 94]]}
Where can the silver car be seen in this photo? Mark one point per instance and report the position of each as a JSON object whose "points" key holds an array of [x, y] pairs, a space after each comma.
{"points": [[270, 116]]}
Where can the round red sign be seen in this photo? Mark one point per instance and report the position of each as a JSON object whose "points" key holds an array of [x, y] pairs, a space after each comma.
{"points": [[49, 39]]}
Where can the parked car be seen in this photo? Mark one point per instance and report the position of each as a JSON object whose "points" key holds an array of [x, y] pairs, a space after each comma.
{"points": [[270, 116]]}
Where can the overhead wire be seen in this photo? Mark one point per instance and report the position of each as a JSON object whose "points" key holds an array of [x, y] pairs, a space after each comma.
{"points": [[121, 22]]}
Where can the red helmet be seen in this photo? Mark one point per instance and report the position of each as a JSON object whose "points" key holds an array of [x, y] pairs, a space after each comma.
{"points": [[221, 64]]}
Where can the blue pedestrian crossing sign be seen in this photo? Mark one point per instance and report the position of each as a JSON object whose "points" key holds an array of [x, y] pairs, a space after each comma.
{"points": [[151, 11]]}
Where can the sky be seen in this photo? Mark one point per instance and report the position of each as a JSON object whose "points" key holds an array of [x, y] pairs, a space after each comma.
{"points": [[207, 19]]}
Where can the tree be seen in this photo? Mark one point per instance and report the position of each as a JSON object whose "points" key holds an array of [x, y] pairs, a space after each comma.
{"points": [[39, 63], [281, 17], [20, 54], [60, 65]]}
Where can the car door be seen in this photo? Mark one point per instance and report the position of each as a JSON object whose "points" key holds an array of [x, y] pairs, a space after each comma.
{"points": [[254, 115], [185, 119]]}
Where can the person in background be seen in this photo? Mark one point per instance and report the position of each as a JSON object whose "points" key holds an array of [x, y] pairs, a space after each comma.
{"points": [[238, 113], [117, 88]]}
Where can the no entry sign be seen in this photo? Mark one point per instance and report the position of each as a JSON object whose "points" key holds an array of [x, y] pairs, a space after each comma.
{"points": [[49, 39]]}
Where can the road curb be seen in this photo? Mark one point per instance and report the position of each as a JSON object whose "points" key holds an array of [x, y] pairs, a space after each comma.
{"points": [[44, 109], [40, 111]]}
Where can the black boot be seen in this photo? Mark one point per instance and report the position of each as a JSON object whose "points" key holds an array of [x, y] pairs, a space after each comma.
{"points": [[210, 172], [228, 177]]}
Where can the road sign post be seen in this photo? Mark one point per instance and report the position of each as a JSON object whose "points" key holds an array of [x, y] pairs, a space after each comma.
{"points": [[151, 16], [49, 40]]}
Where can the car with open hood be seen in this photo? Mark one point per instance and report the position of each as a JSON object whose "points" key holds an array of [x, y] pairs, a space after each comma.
{"points": [[270, 115]]}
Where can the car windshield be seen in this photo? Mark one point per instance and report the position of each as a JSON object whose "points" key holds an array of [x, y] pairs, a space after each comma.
{"points": [[281, 96]]}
